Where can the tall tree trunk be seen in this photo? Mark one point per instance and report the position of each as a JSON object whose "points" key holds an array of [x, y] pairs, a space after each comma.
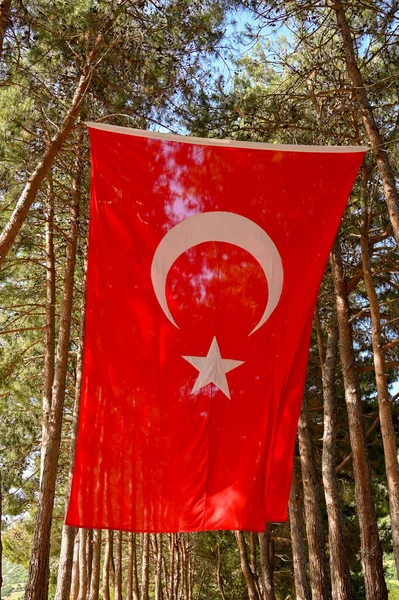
{"points": [[118, 566], [145, 567], [49, 343], [95, 572], [82, 564], [219, 580], [89, 557], [314, 529], [384, 408], [171, 587], [107, 565], [158, 566], [75, 571], [5, 9], [370, 543], [339, 567], [245, 567], [68, 533], [132, 592], [29, 192], [266, 565], [38, 576], [373, 132], [298, 544]]}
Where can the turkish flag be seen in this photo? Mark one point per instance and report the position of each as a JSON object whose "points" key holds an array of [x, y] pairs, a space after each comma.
{"points": [[205, 259]]}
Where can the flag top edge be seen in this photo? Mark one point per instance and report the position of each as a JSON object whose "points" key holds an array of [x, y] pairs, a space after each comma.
{"points": [[223, 143]]}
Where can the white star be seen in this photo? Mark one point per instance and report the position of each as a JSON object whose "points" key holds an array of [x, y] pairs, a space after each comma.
{"points": [[212, 369]]}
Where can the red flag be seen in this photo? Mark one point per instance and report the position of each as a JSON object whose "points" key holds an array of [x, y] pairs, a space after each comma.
{"points": [[205, 259]]}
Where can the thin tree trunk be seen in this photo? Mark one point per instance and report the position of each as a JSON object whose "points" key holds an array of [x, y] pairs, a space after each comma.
{"points": [[373, 132], [298, 544], [314, 528], [49, 343], [107, 565], [37, 586], [171, 587], [158, 566], [68, 533], [29, 192], [95, 572], [245, 567], [5, 9], [132, 592], [82, 564], [339, 566], [118, 566], [219, 580], [384, 407], [266, 565], [145, 566], [89, 557], [75, 571], [370, 543]]}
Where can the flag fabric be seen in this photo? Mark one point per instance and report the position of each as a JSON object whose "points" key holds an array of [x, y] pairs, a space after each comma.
{"points": [[205, 260]]}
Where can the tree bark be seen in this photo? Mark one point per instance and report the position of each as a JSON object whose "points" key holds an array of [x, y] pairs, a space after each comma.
{"points": [[118, 566], [132, 592], [89, 557], [245, 567], [219, 580], [145, 566], [74, 592], [370, 124], [68, 533], [298, 544], [314, 528], [384, 407], [370, 543], [29, 192], [82, 564], [5, 9], [107, 565], [266, 565], [95, 572], [49, 344], [37, 585], [339, 566], [158, 566]]}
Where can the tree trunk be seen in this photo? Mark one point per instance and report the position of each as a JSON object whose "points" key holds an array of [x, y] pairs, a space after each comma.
{"points": [[5, 9], [314, 528], [29, 192], [245, 567], [118, 566], [68, 533], [219, 580], [49, 344], [266, 565], [132, 592], [82, 564], [145, 565], [95, 572], [370, 543], [298, 544], [373, 132], [37, 586], [75, 571], [158, 566], [339, 567], [384, 407], [107, 565], [171, 587], [89, 557]]}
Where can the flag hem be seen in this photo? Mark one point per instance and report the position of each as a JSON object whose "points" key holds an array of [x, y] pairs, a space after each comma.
{"points": [[226, 143]]}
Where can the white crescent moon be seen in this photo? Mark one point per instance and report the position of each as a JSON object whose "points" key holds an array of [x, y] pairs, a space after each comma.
{"points": [[218, 226]]}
